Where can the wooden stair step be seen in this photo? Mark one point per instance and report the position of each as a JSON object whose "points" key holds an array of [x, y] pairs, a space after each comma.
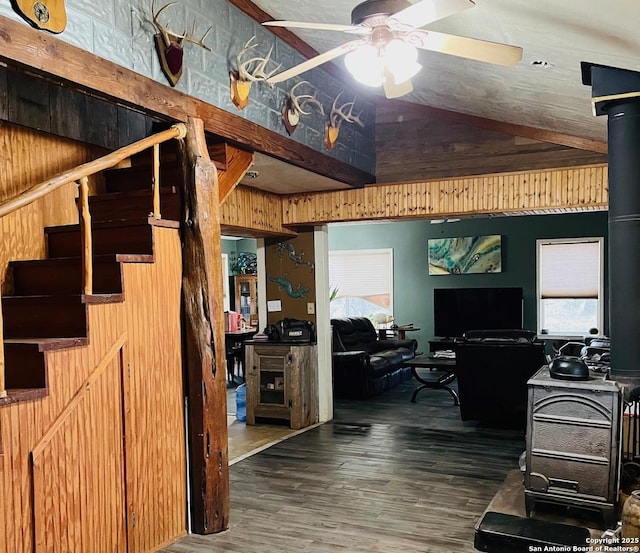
{"points": [[24, 365], [139, 177], [16, 395], [44, 317], [118, 206], [63, 275], [117, 237], [170, 153]]}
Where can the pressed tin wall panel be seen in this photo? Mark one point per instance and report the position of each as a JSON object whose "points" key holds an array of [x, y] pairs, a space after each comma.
{"points": [[122, 32]]}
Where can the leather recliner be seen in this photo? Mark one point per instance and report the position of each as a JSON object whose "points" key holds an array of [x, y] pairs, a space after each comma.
{"points": [[363, 365]]}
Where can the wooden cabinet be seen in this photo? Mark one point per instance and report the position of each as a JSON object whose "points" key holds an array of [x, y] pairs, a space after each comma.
{"points": [[282, 382], [245, 296]]}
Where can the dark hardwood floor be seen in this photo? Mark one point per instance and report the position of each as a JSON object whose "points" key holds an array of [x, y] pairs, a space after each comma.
{"points": [[385, 475]]}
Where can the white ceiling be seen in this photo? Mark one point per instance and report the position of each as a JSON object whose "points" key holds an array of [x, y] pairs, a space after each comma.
{"points": [[273, 175], [561, 33]]}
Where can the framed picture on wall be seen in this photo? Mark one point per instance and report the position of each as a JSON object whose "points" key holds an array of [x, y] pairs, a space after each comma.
{"points": [[466, 254]]}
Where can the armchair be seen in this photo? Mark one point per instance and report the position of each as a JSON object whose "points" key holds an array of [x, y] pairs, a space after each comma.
{"points": [[492, 371]]}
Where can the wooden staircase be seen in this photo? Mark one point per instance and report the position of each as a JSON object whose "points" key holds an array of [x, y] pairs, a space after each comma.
{"points": [[47, 309]]}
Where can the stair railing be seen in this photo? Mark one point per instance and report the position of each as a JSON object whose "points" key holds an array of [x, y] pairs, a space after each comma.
{"points": [[80, 175]]}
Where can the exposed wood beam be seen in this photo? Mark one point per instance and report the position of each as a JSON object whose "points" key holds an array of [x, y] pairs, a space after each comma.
{"points": [[42, 53], [571, 189], [238, 163], [388, 110]]}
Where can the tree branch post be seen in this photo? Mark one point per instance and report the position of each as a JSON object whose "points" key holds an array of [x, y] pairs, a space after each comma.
{"points": [[204, 347]]}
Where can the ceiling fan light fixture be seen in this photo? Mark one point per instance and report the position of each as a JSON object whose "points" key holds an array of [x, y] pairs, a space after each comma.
{"points": [[366, 65], [386, 53], [401, 60], [405, 72]]}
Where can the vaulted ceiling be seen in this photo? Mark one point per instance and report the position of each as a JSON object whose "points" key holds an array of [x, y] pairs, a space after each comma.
{"points": [[544, 90], [542, 93]]}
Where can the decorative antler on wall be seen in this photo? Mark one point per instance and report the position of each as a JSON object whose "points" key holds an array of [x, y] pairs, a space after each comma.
{"points": [[248, 72], [295, 105], [336, 117], [169, 45]]}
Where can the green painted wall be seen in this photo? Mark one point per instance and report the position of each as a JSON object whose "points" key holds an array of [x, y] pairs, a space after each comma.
{"points": [[413, 286]]}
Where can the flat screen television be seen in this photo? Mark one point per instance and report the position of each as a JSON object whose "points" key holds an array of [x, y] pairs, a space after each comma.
{"points": [[456, 310]]}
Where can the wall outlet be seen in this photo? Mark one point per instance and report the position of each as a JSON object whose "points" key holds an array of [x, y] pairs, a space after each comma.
{"points": [[311, 308]]}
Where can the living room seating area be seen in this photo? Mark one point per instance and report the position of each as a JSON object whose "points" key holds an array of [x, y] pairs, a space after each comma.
{"points": [[364, 365], [492, 369]]}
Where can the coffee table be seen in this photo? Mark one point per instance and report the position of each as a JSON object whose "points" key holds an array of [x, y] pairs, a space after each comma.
{"points": [[445, 365]]}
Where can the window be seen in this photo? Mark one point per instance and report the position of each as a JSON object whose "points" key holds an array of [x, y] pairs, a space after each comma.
{"points": [[361, 285], [570, 286]]}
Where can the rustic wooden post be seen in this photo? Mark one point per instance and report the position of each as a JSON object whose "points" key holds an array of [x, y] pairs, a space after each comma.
{"points": [[204, 350], [156, 181], [85, 230], [3, 391]]}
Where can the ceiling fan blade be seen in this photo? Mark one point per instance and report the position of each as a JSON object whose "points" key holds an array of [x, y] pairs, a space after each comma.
{"points": [[472, 48], [393, 90], [356, 29], [419, 14], [316, 60]]}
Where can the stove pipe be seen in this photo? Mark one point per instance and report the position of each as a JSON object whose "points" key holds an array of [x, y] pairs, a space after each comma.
{"points": [[616, 93]]}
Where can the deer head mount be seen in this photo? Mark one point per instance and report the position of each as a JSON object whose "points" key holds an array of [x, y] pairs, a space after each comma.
{"points": [[336, 117], [170, 45], [295, 105], [247, 72]]}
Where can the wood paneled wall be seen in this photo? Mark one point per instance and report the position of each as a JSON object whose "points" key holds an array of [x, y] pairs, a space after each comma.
{"points": [[525, 192], [420, 143], [58, 109], [250, 212], [84, 471]]}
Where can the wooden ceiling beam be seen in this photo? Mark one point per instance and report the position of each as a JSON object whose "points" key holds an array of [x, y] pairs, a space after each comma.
{"points": [[388, 111], [43, 54]]}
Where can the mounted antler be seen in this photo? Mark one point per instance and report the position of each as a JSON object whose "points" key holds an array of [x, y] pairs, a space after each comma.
{"points": [[336, 117], [248, 71], [294, 106], [169, 45]]}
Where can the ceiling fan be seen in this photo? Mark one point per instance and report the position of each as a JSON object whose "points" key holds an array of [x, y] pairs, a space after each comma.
{"points": [[386, 51]]}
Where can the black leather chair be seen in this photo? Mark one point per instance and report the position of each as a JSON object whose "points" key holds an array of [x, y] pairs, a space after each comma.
{"points": [[492, 370], [364, 365]]}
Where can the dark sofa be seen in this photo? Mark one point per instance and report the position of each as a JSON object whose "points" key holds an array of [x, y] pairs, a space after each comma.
{"points": [[363, 365], [492, 368]]}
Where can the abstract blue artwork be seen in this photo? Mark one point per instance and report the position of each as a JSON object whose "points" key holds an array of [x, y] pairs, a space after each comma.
{"points": [[468, 254]]}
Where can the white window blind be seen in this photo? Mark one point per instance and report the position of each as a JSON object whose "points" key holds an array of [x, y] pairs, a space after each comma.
{"points": [[361, 273], [569, 270]]}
